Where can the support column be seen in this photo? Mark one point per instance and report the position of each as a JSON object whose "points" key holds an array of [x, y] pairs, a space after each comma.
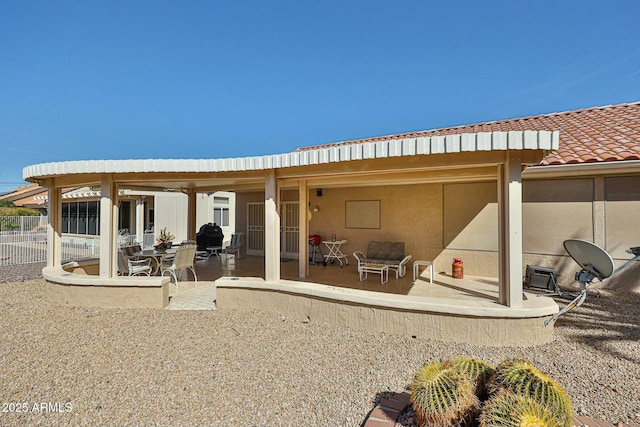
{"points": [[191, 214], [271, 230], [510, 230], [108, 227], [54, 227], [140, 220], [303, 229]]}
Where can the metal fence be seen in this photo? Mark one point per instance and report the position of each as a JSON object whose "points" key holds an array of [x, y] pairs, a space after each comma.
{"points": [[23, 223], [27, 247]]}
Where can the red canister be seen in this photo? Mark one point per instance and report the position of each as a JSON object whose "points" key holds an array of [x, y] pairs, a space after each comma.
{"points": [[457, 268]]}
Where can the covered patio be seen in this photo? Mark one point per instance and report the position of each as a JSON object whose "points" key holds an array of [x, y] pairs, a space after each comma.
{"points": [[498, 313]]}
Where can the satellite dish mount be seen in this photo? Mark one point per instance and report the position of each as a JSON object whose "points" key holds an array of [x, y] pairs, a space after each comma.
{"points": [[595, 263]]}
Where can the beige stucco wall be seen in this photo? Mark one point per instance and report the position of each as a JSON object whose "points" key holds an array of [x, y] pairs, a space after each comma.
{"points": [[408, 213], [440, 221], [442, 320], [75, 285]]}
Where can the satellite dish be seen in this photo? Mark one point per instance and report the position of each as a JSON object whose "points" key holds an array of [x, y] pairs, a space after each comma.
{"points": [[590, 257], [595, 263]]}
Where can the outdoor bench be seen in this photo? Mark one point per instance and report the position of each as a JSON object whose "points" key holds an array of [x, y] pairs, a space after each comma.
{"points": [[390, 254]]}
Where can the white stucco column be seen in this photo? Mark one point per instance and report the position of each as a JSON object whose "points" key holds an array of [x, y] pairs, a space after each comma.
{"points": [[271, 229], [510, 230], [191, 214], [140, 220], [54, 228], [108, 227], [303, 229]]}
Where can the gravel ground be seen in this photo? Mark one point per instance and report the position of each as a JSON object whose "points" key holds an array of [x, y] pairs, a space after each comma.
{"points": [[20, 273], [80, 366]]}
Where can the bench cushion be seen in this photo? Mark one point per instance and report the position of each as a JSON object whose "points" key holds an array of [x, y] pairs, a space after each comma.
{"points": [[385, 251]]}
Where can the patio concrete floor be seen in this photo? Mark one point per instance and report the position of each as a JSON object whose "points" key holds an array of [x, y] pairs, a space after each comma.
{"points": [[444, 286]]}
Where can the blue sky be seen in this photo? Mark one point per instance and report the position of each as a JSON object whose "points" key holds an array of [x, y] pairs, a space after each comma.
{"points": [[215, 79]]}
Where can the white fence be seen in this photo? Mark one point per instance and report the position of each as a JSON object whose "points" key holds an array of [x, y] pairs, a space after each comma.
{"points": [[27, 247], [23, 223]]}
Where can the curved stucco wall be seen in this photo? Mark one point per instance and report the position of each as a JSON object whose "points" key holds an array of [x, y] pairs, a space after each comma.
{"points": [[480, 322], [72, 286]]}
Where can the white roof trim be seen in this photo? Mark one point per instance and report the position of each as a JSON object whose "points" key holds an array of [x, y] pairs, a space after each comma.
{"points": [[582, 169], [466, 142]]}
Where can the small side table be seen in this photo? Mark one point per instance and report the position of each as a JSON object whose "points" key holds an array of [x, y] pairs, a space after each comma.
{"points": [[419, 263], [335, 252], [382, 270], [213, 250]]}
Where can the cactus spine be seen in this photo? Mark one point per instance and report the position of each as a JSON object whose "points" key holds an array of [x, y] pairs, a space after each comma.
{"points": [[507, 409], [478, 371], [443, 396], [521, 377]]}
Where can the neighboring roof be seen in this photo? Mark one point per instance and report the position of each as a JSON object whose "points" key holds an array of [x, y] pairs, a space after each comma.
{"points": [[26, 196], [21, 192], [596, 134], [35, 196]]}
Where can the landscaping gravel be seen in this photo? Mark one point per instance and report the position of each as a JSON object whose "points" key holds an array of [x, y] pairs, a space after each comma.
{"points": [[20, 273], [93, 366]]}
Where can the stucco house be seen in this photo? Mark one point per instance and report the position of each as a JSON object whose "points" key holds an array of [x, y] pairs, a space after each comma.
{"points": [[501, 195]]}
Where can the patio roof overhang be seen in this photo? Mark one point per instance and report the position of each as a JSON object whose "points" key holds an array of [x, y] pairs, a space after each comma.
{"points": [[484, 156], [424, 159]]}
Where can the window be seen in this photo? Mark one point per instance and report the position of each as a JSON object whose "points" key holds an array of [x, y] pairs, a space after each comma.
{"points": [[221, 216], [124, 218], [221, 213], [81, 218], [65, 217]]}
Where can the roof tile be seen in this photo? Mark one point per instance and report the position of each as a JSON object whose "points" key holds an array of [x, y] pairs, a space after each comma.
{"points": [[596, 134]]}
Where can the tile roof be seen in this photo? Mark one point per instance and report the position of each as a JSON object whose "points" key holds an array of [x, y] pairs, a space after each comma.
{"points": [[596, 134]]}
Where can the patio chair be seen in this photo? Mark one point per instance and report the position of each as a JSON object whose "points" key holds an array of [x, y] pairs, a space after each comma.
{"points": [[236, 246], [401, 267], [128, 266], [182, 260], [130, 250], [200, 255]]}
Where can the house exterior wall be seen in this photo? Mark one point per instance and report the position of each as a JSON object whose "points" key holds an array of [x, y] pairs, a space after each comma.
{"points": [[202, 210], [229, 229], [622, 207], [440, 221], [408, 213], [170, 211]]}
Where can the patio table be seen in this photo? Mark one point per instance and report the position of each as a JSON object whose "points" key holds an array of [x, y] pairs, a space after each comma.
{"points": [[382, 270], [213, 250], [334, 251], [156, 256], [416, 269]]}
